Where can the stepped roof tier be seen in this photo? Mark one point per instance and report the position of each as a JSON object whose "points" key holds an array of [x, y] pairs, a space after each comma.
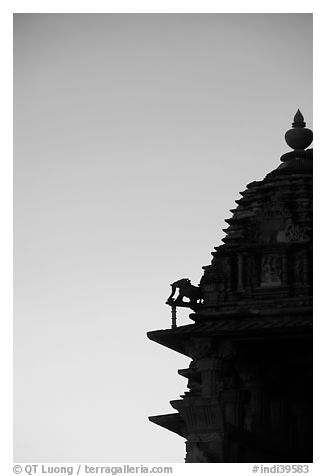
{"points": [[265, 261]]}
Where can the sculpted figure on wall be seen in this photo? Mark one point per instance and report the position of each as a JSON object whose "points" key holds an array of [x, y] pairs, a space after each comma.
{"points": [[299, 268], [271, 270]]}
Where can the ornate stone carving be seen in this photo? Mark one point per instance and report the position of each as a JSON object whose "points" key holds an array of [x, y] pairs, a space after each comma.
{"points": [[186, 289], [299, 267], [275, 208], [271, 222], [296, 233], [273, 230], [271, 270]]}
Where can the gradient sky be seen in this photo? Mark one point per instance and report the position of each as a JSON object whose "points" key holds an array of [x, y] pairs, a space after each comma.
{"points": [[133, 136]]}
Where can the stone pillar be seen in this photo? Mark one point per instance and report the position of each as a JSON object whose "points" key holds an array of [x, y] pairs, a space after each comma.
{"points": [[240, 272], [305, 268], [284, 269], [255, 389], [210, 371]]}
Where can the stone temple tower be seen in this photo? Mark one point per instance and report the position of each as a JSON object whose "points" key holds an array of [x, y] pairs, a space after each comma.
{"points": [[249, 395]]}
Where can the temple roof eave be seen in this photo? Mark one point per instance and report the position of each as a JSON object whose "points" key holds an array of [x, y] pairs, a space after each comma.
{"points": [[172, 422], [245, 328]]}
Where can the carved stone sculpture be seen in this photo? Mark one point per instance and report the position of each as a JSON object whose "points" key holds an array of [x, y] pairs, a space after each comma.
{"points": [[186, 290], [271, 271], [299, 268]]}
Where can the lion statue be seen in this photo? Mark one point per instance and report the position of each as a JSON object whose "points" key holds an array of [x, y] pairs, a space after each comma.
{"points": [[186, 289]]}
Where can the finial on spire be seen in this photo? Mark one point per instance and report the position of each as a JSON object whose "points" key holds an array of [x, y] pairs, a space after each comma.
{"points": [[299, 137], [298, 120]]}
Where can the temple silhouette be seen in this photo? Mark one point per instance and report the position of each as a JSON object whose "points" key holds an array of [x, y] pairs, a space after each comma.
{"points": [[249, 396]]}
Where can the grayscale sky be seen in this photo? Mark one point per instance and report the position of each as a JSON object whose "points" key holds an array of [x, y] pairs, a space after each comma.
{"points": [[133, 136]]}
